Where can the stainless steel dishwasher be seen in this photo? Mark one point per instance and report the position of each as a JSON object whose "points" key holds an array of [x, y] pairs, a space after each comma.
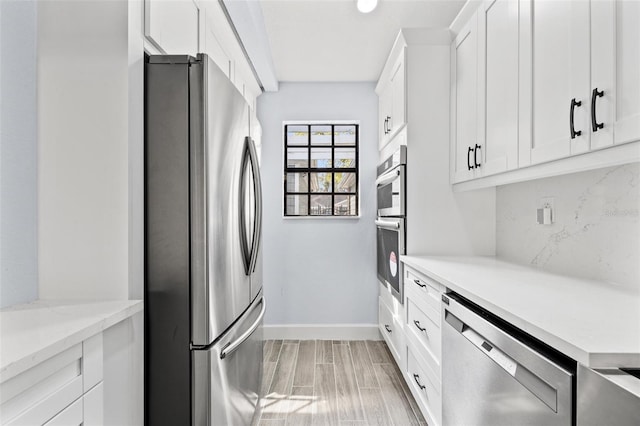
{"points": [[495, 374]]}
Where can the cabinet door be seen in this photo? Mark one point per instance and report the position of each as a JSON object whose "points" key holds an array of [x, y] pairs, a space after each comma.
{"points": [[93, 406], [384, 115], [464, 98], [398, 98], [172, 25], [556, 37], [498, 79], [615, 72], [214, 49]]}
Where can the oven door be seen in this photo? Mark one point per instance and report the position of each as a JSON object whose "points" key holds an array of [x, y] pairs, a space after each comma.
{"points": [[390, 246], [390, 192]]}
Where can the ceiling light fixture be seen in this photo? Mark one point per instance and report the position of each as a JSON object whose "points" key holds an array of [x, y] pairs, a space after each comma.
{"points": [[366, 6]]}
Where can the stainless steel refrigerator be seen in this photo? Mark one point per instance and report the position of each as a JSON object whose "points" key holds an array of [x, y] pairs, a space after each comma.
{"points": [[203, 268]]}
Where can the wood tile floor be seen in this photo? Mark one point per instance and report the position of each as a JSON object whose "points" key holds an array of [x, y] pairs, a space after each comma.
{"points": [[324, 382]]}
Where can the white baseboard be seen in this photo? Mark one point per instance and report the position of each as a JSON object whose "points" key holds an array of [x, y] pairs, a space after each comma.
{"points": [[322, 332]]}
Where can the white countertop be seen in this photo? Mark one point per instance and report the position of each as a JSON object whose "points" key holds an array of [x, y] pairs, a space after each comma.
{"points": [[33, 332], [595, 323]]}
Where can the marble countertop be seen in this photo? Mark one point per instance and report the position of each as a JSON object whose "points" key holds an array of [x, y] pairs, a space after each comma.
{"points": [[595, 323], [32, 332]]}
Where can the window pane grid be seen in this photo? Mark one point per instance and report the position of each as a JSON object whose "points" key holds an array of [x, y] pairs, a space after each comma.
{"points": [[331, 190]]}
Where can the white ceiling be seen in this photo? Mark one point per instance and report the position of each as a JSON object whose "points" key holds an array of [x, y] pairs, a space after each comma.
{"points": [[329, 40]]}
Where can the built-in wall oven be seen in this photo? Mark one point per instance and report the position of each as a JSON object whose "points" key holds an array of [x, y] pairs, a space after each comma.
{"points": [[391, 184], [391, 221]]}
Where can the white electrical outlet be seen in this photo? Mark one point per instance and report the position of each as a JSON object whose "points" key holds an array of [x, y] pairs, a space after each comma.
{"points": [[546, 202], [544, 213]]}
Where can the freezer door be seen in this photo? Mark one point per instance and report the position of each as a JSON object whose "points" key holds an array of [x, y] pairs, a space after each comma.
{"points": [[227, 376], [220, 284]]}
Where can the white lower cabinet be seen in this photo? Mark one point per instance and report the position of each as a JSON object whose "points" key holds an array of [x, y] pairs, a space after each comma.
{"points": [[425, 386], [391, 327], [65, 389], [423, 336]]}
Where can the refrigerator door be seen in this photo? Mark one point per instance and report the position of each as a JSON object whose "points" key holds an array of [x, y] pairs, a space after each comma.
{"points": [[220, 282], [227, 376]]}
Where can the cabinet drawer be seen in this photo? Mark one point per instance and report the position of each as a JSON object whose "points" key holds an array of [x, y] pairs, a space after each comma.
{"points": [[393, 304], [70, 416], [429, 290], [426, 330], [426, 388], [391, 329], [36, 395]]}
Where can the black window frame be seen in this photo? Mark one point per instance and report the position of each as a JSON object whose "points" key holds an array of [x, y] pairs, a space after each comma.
{"points": [[333, 170]]}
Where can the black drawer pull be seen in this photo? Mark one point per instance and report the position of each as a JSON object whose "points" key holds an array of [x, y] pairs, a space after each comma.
{"points": [[419, 283], [475, 156], [386, 326], [417, 379], [468, 158], [417, 323]]}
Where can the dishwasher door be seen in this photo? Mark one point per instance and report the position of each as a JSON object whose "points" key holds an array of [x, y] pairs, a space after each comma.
{"points": [[491, 378]]}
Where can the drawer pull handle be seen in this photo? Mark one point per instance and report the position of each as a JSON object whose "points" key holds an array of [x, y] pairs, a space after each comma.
{"points": [[417, 379], [419, 283], [386, 326], [417, 323]]}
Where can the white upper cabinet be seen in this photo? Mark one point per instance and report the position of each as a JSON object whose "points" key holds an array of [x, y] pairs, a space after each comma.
{"points": [[391, 91], [540, 82], [615, 72], [464, 103], [172, 25], [384, 109], [397, 82], [213, 47], [556, 41], [498, 80]]}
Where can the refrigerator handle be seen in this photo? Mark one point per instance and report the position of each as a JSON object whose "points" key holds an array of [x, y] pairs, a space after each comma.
{"points": [[257, 218], [245, 249], [232, 346]]}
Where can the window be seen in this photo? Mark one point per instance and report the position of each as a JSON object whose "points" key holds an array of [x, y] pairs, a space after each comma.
{"points": [[321, 169]]}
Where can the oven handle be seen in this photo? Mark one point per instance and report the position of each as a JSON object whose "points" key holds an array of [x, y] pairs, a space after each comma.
{"points": [[388, 177], [387, 224]]}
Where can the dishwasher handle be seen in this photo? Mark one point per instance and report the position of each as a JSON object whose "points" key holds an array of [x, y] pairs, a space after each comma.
{"points": [[536, 385]]}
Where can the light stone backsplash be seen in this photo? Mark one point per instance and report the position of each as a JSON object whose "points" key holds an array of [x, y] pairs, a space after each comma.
{"points": [[596, 226]]}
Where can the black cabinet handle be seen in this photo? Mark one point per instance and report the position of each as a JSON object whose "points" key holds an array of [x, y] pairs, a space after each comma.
{"points": [[475, 155], [417, 379], [594, 123], [385, 126], [417, 323], [386, 326], [574, 104], [389, 123], [419, 283], [468, 161]]}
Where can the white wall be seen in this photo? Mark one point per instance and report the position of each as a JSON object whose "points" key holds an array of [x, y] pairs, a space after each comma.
{"points": [[596, 233], [18, 154], [319, 271], [89, 149]]}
